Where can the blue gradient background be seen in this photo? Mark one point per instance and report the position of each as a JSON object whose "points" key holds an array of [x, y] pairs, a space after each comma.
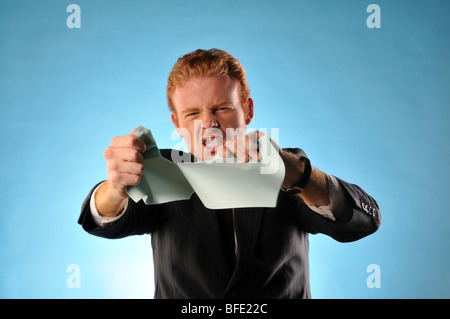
{"points": [[370, 106]]}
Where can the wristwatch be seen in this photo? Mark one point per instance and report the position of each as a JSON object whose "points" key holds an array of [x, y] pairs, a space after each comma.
{"points": [[301, 184]]}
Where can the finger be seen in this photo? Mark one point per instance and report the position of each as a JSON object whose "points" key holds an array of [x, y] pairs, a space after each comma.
{"points": [[247, 148], [252, 146], [256, 134], [243, 147], [129, 141], [125, 167], [121, 180], [254, 155], [236, 148], [124, 154]]}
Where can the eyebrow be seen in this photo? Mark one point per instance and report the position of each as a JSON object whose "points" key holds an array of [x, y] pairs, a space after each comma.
{"points": [[215, 106], [196, 109], [190, 110]]}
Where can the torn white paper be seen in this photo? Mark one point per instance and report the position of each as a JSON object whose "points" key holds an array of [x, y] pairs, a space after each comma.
{"points": [[218, 184]]}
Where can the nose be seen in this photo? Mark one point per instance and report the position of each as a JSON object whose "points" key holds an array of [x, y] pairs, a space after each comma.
{"points": [[208, 120]]}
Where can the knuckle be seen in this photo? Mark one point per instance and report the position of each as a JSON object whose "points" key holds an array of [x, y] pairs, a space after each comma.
{"points": [[140, 169], [115, 140], [108, 153], [135, 179], [128, 139], [135, 156], [132, 140]]}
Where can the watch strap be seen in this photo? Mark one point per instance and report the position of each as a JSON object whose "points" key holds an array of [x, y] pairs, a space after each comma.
{"points": [[303, 181]]}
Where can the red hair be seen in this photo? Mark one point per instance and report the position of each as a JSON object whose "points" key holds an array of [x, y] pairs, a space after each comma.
{"points": [[213, 62]]}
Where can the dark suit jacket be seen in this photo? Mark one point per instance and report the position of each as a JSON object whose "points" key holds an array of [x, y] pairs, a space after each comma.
{"points": [[190, 260]]}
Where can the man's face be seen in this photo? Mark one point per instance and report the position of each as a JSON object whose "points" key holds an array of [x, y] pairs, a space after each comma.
{"points": [[204, 108]]}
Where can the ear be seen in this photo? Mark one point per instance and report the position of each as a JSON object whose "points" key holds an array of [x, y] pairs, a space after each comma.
{"points": [[249, 111], [174, 118]]}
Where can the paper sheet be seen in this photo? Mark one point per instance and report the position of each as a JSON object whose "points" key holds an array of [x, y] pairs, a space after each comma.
{"points": [[218, 184]]}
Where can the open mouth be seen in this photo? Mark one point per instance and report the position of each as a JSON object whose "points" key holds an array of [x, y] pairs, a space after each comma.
{"points": [[212, 141]]}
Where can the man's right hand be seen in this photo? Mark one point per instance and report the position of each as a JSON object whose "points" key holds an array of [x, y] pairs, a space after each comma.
{"points": [[124, 163]]}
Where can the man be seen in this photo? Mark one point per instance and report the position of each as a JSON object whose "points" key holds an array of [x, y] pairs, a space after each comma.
{"points": [[228, 253]]}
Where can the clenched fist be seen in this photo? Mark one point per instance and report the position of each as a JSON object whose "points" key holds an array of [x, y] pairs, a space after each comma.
{"points": [[124, 163]]}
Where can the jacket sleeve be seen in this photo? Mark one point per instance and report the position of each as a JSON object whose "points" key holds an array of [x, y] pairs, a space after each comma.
{"points": [[361, 218], [138, 219]]}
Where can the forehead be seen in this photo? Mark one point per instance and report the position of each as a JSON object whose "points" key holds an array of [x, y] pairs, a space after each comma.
{"points": [[205, 91]]}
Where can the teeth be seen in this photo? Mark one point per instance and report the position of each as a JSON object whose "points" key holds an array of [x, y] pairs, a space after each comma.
{"points": [[212, 142]]}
